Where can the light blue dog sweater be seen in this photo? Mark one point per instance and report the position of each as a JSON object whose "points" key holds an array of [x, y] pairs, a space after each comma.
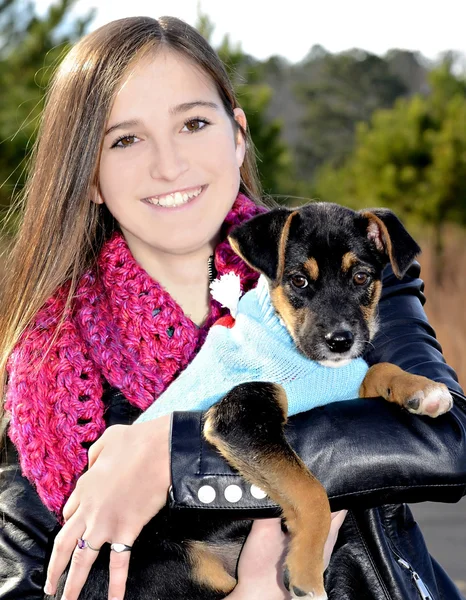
{"points": [[257, 348]]}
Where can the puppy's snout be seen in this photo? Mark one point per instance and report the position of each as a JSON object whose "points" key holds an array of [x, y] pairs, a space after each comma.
{"points": [[339, 341]]}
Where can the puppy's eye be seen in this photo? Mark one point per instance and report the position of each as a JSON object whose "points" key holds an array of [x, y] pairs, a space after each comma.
{"points": [[299, 281], [361, 278]]}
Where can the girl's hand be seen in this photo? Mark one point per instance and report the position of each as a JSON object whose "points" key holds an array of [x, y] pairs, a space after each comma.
{"points": [[261, 564], [337, 522], [126, 485]]}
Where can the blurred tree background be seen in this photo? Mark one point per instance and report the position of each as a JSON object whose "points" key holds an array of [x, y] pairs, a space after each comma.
{"points": [[352, 127], [30, 47]]}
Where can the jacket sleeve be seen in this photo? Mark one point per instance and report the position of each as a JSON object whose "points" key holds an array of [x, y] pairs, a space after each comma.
{"points": [[366, 452], [27, 532]]}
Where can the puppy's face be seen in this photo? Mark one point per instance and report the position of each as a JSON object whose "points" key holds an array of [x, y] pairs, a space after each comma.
{"points": [[325, 273], [328, 289]]}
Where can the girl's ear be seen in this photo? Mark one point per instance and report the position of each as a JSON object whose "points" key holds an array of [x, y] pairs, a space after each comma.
{"points": [[240, 140], [96, 196]]}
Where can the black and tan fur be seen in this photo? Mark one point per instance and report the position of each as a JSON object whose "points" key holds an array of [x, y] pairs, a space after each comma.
{"points": [[324, 266]]}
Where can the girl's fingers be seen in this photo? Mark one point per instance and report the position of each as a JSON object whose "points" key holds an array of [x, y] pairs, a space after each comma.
{"points": [[119, 565], [260, 568], [65, 547], [94, 451], [338, 518], [81, 562], [263, 549], [337, 522], [71, 506]]}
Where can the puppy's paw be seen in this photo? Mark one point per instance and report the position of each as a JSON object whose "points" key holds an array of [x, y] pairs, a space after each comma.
{"points": [[297, 593], [433, 400], [316, 592]]}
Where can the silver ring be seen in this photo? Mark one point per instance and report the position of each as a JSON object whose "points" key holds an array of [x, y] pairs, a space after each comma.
{"points": [[120, 548], [83, 544]]}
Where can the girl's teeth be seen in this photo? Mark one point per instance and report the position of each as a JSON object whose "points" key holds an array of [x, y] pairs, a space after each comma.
{"points": [[175, 199]]}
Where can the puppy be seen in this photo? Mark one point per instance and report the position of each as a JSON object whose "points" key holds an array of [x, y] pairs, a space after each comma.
{"points": [[323, 264]]}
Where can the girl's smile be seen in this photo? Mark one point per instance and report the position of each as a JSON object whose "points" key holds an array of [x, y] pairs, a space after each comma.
{"points": [[175, 199]]}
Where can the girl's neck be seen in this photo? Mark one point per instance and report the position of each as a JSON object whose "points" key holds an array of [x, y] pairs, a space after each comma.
{"points": [[184, 276]]}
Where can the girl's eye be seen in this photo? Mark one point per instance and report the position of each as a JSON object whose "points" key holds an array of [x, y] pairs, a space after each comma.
{"points": [[299, 281], [361, 278], [125, 141], [194, 125]]}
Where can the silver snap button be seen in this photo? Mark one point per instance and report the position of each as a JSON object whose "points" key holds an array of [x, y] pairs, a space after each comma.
{"points": [[257, 493], [206, 494], [233, 493]]}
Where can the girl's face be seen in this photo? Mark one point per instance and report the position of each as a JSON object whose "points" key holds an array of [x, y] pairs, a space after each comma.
{"points": [[169, 170]]}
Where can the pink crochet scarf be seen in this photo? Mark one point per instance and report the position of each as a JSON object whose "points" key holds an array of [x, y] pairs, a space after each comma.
{"points": [[124, 329]]}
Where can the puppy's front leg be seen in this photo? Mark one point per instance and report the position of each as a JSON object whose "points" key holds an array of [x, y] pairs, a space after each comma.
{"points": [[247, 428], [417, 394]]}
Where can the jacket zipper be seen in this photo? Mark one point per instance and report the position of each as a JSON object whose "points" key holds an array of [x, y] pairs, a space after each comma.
{"points": [[211, 270], [420, 585]]}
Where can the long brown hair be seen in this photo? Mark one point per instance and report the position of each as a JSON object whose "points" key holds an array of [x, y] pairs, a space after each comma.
{"points": [[62, 231]]}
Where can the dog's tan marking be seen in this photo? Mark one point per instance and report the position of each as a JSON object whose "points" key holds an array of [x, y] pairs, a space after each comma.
{"points": [[398, 386], [292, 317], [349, 260], [282, 245], [378, 381], [235, 247], [369, 312], [282, 305], [312, 268], [208, 569], [288, 482], [281, 399]]}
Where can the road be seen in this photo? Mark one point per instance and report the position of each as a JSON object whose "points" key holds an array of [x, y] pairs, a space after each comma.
{"points": [[444, 528]]}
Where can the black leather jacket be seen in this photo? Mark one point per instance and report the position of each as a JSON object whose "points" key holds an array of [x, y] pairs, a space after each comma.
{"points": [[370, 455]]}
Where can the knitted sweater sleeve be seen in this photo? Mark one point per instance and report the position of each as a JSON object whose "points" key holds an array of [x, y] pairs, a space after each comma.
{"points": [[46, 401]]}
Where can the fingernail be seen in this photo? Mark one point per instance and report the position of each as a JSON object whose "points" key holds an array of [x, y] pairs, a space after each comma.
{"points": [[48, 587]]}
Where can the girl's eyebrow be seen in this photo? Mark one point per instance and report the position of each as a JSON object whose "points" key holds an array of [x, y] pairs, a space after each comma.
{"points": [[123, 125], [176, 110], [185, 106]]}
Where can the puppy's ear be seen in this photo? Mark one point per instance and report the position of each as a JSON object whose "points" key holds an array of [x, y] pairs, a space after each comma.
{"points": [[391, 239], [261, 241]]}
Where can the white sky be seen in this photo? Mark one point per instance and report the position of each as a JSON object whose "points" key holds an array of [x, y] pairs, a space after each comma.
{"points": [[290, 28]]}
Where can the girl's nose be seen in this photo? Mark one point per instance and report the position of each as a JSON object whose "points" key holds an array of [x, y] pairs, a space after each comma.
{"points": [[168, 162]]}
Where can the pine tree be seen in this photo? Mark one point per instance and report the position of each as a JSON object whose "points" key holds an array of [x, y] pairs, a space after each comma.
{"points": [[31, 46]]}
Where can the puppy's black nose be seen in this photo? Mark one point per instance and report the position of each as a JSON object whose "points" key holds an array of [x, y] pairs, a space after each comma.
{"points": [[339, 341]]}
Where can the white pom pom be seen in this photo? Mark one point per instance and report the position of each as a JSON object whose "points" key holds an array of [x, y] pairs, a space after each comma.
{"points": [[227, 291]]}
